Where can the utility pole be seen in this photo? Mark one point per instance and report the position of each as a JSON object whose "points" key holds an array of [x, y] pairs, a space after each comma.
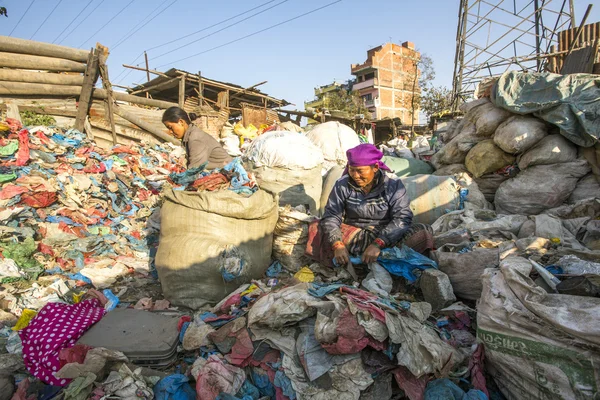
{"points": [[147, 71]]}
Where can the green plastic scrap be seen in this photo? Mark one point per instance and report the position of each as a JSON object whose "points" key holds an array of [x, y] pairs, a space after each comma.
{"points": [[80, 388], [118, 160], [22, 253], [10, 149], [8, 177]]}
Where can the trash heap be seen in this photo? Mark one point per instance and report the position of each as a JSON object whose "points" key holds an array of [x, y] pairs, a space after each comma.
{"points": [[525, 244]]}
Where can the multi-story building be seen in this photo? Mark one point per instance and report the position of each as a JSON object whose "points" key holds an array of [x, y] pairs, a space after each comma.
{"points": [[321, 95], [386, 81]]}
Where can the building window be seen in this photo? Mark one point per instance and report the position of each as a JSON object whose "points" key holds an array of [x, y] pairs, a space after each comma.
{"points": [[370, 75], [367, 97]]}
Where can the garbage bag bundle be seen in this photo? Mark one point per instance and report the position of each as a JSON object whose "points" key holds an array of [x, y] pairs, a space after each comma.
{"points": [[199, 230], [486, 158], [455, 151], [475, 197], [289, 165], [334, 139], [487, 118], [329, 181], [587, 187], [451, 169], [489, 184], [552, 149], [431, 196], [465, 269], [539, 188], [290, 238], [403, 167], [520, 133], [537, 345]]}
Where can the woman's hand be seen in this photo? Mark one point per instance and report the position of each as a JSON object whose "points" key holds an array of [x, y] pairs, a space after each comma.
{"points": [[342, 257], [370, 255]]}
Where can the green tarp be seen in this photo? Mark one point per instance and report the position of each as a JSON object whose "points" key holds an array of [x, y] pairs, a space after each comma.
{"points": [[571, 102]]}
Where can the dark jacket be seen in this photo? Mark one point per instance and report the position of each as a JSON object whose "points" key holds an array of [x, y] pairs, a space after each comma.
{"points": [[385, 210], [200, 147]]}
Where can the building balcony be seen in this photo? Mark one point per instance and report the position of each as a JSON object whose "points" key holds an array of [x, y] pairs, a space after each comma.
{"points": [[354, 68], [369, 103], [366, 84]]}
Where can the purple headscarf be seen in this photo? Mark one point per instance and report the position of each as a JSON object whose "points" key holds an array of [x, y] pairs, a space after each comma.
{"points": [[365, 155]]}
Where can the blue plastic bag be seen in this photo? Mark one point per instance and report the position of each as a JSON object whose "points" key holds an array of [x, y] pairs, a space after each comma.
{"points": [[174, 387], [403, 261], [445, 389], [113, 300]]}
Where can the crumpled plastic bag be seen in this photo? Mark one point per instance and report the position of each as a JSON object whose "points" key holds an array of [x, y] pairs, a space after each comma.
{"points": [[422, 351], [174, 387], [378, 280], [128, 385], [279, 309], [215, 377], [95, 361]]}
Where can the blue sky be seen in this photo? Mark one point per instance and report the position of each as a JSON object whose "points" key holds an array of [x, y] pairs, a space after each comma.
{"points": [[294, 57]]}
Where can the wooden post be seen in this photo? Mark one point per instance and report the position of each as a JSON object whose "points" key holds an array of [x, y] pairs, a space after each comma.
{"points": [[109, 102], [89, 81], [200, 90], [147, 72], [182, 91]]}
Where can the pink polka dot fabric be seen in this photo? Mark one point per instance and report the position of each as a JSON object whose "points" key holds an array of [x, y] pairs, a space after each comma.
{"points": [[57, 326]]}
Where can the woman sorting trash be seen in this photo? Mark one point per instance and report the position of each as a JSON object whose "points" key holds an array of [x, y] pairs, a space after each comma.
{"points": [[200, 147], [367, 210]]}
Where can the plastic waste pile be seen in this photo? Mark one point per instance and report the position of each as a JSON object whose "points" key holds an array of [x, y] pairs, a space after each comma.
{"points": [[525, 245]]}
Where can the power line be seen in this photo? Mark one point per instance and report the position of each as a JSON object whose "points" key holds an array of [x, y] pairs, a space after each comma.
{"points": [[82, 21], [106, 24], [212, 26], [220, 30], [21, 19], [43, 23], [136, 25], [73, 20], [150, 20], [127, 70], [252, 34]]}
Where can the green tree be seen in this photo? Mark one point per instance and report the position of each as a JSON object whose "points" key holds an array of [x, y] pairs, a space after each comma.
{"points": [[435, 100], [422, 76], [3, 11], [346, 101]]}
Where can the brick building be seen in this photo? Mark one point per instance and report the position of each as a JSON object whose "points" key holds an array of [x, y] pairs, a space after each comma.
{"points": [[386, 80]]}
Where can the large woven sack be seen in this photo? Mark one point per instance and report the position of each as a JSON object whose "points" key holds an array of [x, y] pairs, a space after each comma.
{"points": [[538, 345], [475, 197], [431, 196], [283, 149], [553, 149], [294, 186], [487, 118], [290, 238], [202, 232], [451, 169], [407, 166], [334, 139], [457, 149], [539, 188], [465, 269], [587, 187], [489, 184], [520, 133], [329, 181], [486, 158]]}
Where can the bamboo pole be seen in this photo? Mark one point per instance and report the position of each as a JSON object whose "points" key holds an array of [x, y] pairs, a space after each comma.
{"points": [[155, 87], [23, 46], [24, 61], [40, 77], [134, 119], [109, 103]]}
